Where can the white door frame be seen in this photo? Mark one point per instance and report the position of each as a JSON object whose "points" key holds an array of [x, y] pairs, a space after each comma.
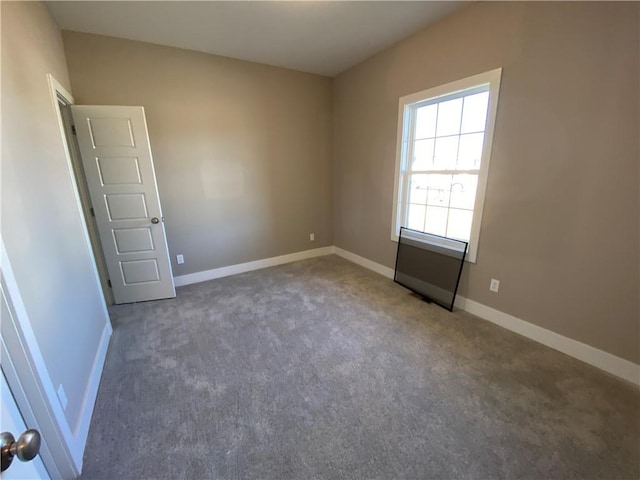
{"points": [[29, 380], [60, 94], [22, 361], [13, 422]]}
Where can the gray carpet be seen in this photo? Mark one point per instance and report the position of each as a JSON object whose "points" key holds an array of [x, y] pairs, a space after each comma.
{"points": [[321, 369]]}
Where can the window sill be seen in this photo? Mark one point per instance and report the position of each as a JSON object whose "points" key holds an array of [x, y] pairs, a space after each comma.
{"points": [[469, 258]]}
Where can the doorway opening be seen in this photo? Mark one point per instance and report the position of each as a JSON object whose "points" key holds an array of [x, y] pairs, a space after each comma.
{"points": [[63, 103]]}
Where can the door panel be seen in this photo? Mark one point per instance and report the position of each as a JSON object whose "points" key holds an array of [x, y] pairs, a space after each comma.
{"points": [[111, 132], [140, 271], [126, 207], [116, 156], [130, 240], [119, 171]]}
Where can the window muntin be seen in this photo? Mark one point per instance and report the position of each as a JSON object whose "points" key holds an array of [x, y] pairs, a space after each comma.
{"points": [[445, 137]]}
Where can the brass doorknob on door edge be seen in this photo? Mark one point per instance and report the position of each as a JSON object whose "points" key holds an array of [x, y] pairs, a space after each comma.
{"points": [[155, 220], [26, 448]]}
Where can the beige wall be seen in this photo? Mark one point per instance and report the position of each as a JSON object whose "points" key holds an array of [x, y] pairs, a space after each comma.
{"points": [[242, 151], [561, 216], [243, 154], [42, 226]]}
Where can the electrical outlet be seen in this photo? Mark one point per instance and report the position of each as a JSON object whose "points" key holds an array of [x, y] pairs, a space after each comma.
{"points": [[62, 397], [180, 259], [495, 285], [312, 236]]}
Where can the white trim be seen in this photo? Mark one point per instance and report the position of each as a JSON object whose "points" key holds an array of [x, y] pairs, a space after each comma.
{"points": [[612, 364], [399, 206], [451, 244], [17, 421], [75, 438], [21, 347], [617, 366], [57, 90], [81, 431], [31, 352], [365, 262], [214, 273], [406, 106], [32, 406], [494, 77]]}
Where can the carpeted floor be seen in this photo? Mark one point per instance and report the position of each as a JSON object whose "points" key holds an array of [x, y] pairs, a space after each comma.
{"points": [[321, 369]]}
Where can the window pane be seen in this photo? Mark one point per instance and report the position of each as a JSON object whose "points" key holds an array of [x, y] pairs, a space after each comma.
{"points": [[439, 187], [463, 191], [415, 217], [418, 189], [422, 155], [449, 117], [470, 152], [459, 224], [474, 114], [426, 121], [436, 221], [446, 152]]}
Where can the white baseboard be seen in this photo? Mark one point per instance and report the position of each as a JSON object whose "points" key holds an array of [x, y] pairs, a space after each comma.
{"points": [[51, 419], [617, 366], [364, 262], [197, 277], [82, 427]]}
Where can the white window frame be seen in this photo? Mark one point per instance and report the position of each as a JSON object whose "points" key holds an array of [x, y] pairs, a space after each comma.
{"points": [[400, 192]]}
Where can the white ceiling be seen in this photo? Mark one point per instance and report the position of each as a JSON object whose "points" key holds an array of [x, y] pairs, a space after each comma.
{"points": [[318, 37]]}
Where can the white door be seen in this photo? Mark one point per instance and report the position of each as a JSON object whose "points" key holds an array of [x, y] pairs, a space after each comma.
{"points": [[116, 155], [11, 421]]}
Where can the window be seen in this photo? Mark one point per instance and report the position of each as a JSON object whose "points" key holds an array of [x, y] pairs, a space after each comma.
{"points": [[444, 146]]}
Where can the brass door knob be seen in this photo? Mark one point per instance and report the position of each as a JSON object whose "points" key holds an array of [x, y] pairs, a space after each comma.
{"points": [[26, 448]]}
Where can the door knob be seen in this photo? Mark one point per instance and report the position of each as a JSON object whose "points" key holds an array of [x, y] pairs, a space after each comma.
{"points": [[26, 448], [155, 220]]}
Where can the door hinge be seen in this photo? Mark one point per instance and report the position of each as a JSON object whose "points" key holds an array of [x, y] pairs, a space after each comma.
{"points": [[73, 129], [93, 212], [109, 283]]}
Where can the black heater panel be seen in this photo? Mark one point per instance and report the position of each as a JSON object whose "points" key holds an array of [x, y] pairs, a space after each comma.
{"points": [[430, 265]]}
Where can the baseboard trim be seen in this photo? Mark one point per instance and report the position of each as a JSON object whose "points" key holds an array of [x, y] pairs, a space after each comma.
{"points": [[364, 262], [88, 404], [593, 356], [612, 364], [212, 274]]}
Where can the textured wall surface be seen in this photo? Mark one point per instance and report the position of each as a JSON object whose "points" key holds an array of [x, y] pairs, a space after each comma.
{"points": [[561, 215]]}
